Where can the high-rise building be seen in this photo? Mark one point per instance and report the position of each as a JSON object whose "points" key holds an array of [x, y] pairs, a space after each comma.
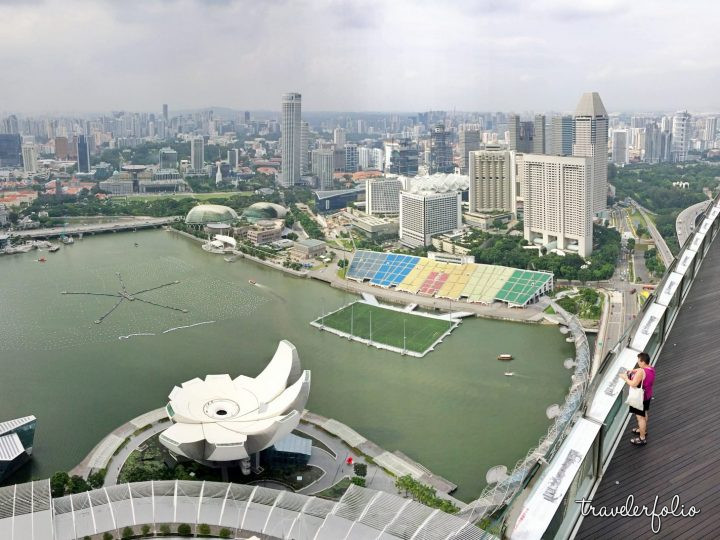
{"points": [[339, 137], [560, 139], [290, 140], [651, 150], [401, 157], [382, 196], [304, 147], [165, 113], [168, 158], [10, 150], [590, 139], [323, 166], [539, 141], [29, 156], [62, 148], [351, 158], [364, 158], [666, 146], [680, 136], [247, 117], [197, 154], [620, 147], [491, 180], [233, 158], [10, 125], [469, 141], [441, 158], [710, 129], [558, 209], [83, 154], [521, 134], [425, 214]]}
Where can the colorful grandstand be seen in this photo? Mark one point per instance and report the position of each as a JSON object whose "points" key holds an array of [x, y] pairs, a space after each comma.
{"points": [[477, 283]]}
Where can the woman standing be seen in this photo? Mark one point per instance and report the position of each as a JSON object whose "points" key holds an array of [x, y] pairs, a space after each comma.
{"points": [[643, 376]]}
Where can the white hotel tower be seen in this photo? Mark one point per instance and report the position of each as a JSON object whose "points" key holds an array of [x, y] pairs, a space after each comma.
{"points": [[590, 139], [291, 139]]}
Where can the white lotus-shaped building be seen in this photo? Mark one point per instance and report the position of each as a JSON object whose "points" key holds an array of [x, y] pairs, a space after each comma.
{"points": [[222, 419]]}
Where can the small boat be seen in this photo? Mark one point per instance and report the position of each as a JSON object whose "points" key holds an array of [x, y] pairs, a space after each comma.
{"points": [[252, 282], [136, 244], [42, 259], [68, 240], [505, 357], [509, 373], [54, 248]]}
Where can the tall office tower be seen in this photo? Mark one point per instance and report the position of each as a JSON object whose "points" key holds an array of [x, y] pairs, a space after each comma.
{"points": [[441, 156], [382, 196], [339, 137], [710, 128], [521, 134], [10, 125], [590, 139], [680, 136], [559, 202], [351, 158], [364, 158], [620, 147], [666, 123], [492, 175], [651, 150], [165, 112], [29, 157], [168, 158], [247, 117], [304, 148], [469, 141], [539, 139], [83, 154], [290, 141], [666, 146], [233, 158], [377, 159], [323, 166], [560, 137], [197, 153], [401, 157], [425, 214], [62, 149]]}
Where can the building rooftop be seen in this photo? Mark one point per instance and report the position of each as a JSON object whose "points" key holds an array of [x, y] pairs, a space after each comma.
{"points": [[311, 243], [590, 105]]}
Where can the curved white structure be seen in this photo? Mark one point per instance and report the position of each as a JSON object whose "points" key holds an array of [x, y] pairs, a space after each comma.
{"points": [[222, 419]]}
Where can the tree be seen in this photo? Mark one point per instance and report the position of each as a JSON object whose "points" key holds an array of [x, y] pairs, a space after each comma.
{"points": [[203, 528], [184, 529], [358, 481], [58, 483], [165, 528], [97, 479], [77, 484], [127, 533], [498, 223], [107, 536], [225, 533], [145, 529], [360, 469]]}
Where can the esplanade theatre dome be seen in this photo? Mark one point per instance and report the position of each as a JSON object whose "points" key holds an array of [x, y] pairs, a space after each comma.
{"points": [[264, 210], [203, 214]]}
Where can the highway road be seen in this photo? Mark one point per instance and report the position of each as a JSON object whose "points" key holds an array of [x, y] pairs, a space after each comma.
{"points": [[663, 249], [685, 223], [127, 223]]}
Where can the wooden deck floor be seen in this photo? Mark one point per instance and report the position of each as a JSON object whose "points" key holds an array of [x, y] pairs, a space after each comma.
{"points": [[682, 456]]}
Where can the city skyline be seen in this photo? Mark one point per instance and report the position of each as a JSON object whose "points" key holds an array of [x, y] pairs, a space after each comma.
{"points": [[373, 65]]}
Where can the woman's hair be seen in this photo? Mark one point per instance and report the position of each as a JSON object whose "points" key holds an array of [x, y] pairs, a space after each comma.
{"points": [[644, 357]]}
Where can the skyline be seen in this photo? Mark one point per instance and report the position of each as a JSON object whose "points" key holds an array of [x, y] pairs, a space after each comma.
{"points": [[357, 57]]}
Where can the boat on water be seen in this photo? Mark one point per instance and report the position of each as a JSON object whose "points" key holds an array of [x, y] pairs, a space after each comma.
{"points": [[252, 282], [53, 249], [68, 240], [509, 373], [42, 259], [505, 357]]}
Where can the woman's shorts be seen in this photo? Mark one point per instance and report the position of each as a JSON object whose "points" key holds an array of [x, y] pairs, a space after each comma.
{"points": [[646, 407]]}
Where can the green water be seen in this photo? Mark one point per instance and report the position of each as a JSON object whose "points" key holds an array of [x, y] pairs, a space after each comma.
{"points": [[452, 410]]}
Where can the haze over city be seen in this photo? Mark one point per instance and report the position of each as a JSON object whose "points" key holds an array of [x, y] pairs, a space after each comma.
{"points": [[358, 55]]}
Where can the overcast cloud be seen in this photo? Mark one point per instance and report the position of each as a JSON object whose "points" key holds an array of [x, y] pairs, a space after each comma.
{"points": [[358, 55]]}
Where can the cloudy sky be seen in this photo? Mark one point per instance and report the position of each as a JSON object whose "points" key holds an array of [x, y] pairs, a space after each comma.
{"points": [[358, 55]]}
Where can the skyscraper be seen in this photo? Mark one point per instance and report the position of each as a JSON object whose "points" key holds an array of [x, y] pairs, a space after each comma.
{"points": [[382, 196], [10, 150], [651, 151], [351, 158], [539, 134], [323, 167], [290, 140], [521, 134], [29, 156], [491, 180], [680, 136], [339, 137], [83, 154], [620, 147], [165, 112], [560, 139], [710, 128], [469, 141], [590, 139], [425, 214], [168, 158], [401, 157], [233, 158], [440, 151], [558, 202], [197, 153], [304, 148], [62, 149]]}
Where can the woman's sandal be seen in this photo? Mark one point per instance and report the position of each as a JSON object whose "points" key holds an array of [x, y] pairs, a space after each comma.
{"points": [[636, 431], [638, 441]]}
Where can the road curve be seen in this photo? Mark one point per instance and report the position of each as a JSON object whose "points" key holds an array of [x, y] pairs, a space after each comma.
{"points": [[685, 223]]}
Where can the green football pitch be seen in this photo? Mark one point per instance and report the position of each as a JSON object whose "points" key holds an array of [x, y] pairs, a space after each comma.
{"points": [[387, 326]]}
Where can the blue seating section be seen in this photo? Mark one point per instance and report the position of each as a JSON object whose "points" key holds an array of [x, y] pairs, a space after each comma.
{"points": [[383, 269]]}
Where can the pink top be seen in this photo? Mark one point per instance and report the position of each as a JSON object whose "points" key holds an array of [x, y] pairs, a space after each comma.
{"points": [[647, 382]]}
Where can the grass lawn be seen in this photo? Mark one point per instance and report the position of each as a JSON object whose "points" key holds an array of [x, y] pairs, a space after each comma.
{"points": [[387, 326], [336, 491]]}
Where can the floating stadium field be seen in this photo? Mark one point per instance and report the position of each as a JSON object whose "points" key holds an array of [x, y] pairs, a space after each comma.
{"points": [[393, 328], [477, 283]]}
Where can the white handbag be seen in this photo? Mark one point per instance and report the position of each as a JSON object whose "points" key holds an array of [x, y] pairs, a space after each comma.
{"points": [[636, 396]]}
